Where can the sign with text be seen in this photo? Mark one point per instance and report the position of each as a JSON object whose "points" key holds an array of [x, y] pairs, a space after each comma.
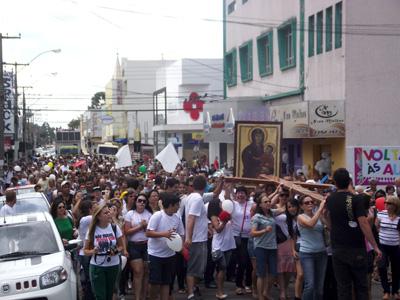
{"points": [[379, 163], [294, 118], [8, 103], [326, 119]]}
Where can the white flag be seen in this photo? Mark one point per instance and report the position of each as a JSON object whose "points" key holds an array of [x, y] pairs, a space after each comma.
{"points": [[168, 158], [124, 158]]}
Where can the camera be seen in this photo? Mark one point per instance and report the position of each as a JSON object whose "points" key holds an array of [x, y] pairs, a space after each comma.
{"points": [[113, 250]]}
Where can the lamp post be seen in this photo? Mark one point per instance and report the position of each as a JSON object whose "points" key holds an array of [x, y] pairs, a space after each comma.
{"points": [[41, 53]]}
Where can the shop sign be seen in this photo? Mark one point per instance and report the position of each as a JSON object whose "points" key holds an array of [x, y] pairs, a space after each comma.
{"points": [[8, 103], [379, 163], [294, 118], [327, 119], [197, 136]]}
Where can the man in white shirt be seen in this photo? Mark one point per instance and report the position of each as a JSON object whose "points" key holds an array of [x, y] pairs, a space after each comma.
{"points": [[196, 234], [9, 207]]}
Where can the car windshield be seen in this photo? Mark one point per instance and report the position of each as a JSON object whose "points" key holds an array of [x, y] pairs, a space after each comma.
{"points": [[28, 205], [26, 237]]}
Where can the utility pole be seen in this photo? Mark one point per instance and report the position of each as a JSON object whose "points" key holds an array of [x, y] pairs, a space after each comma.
{"points": [[24, 131], [16, 123], [2, 102]]}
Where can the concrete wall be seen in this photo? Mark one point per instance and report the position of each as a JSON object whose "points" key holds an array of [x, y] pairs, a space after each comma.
{"points": [[372, 74]]}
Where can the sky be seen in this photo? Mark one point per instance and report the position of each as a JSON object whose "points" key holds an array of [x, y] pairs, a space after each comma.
{"points": [[90, 34]]}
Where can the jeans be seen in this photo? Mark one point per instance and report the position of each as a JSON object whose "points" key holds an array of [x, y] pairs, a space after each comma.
{"points": [[85, 277], [314, 267], [350, 266], [243, 261], [389, 254]]}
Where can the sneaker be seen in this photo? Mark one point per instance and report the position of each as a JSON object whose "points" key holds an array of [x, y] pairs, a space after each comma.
{"points": [[196, 291]]}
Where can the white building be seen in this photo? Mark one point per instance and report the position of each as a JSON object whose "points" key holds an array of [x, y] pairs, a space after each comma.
{"points": [[186, 85], [129, 100], [319, 66]]}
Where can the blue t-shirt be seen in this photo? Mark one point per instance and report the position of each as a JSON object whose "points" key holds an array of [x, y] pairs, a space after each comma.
{"points": [[268, 239], [312, 239]]}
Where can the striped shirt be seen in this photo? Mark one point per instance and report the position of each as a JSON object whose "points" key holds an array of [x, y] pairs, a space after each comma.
{"points": [[389, 229]]}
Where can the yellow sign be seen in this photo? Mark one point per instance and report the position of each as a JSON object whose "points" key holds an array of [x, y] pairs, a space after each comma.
{"points": [[198, 136]]}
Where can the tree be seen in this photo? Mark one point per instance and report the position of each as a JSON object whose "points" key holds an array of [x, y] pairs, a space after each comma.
{"points": [[74, 124], [97, 100]]}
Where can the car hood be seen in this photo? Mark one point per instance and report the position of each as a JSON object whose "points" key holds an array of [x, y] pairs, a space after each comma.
{"points": [[31, 266]]}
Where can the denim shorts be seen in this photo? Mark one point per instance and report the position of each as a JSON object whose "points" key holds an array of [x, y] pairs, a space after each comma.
{"points": [[223, 261], [137, 251], [250, 248], [266, 257]]}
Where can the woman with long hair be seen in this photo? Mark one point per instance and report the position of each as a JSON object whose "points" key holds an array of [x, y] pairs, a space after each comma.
{"points": [[64, 222], [313, 255], [104, 243], [263, 229], [292, 211], [154, 199], [387, 222], [136, 221], [286, 264]]}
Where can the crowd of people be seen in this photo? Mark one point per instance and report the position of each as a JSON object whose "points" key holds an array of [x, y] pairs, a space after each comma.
{"points": [[270, 236]]}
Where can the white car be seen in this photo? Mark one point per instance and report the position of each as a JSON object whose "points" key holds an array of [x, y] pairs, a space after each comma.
{"points": [[29, 202], [33, 261]]}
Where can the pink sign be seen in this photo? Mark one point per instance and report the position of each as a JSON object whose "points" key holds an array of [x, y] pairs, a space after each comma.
{"points": [[379, 163]]}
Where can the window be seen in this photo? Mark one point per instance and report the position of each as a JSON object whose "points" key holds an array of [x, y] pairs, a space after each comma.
{"points": [[230, 68], [231, 7], [320, 16], [246, 61], [328, 29], [311, 35], [265, 54], [287, 44], [338, 25]]}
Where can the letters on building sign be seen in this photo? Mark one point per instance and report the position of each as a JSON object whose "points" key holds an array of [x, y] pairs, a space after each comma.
{"points": [[379, 163]]}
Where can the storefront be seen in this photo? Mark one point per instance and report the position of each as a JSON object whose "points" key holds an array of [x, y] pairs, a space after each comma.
{"points": [[219, 122], [313, 136]]}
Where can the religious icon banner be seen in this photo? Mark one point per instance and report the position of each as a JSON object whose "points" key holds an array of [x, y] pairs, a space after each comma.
{"points": [[257, 148]]}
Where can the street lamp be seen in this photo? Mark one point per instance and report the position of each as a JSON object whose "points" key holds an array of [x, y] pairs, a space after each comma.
{"points": [[47, 51]]}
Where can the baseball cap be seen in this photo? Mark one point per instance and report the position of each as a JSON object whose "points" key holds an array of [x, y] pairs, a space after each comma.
{"points": [[64, 183]]}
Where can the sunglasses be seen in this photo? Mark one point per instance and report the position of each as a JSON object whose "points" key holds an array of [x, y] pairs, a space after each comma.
{"points": [[308, 202], [141, 200], [386, 202]]}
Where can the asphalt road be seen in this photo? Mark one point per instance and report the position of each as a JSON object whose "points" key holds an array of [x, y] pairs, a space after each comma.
{"points": [[230, 290]]}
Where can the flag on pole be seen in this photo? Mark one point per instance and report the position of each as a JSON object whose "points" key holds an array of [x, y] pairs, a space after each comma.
{"points": [[168, 158], [124, 158]]}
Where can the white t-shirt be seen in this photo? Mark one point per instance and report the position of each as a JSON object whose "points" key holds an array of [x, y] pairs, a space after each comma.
{"points": [[195, 207], [83, 228], [104, 239], [207, 197], [237, 218], [7, 210], [223, 240], [135, 218], [160, 221]]}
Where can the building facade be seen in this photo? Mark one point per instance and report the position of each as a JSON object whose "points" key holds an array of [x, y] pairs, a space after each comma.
{"points": [[184, 87], [318, 67]]}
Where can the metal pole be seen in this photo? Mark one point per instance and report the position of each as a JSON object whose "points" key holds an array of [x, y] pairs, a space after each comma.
{"points": [[16, 140], [24, 121], [1, 109]]}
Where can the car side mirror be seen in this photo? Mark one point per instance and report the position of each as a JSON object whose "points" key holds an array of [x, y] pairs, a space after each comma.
{"points": [[72, 244]]}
